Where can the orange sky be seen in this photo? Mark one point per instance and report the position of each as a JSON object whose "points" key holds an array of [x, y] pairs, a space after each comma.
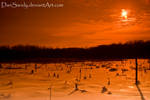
{"points": [[80, 23]]}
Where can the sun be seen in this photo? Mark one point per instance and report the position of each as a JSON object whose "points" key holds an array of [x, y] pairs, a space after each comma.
{"points": [[124, 13]]}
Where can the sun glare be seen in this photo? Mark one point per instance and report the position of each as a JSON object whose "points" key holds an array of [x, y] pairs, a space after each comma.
{"points": [[124, 14]]}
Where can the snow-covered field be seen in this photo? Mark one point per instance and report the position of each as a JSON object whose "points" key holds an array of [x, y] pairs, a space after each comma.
{"points": [[103, 80]]}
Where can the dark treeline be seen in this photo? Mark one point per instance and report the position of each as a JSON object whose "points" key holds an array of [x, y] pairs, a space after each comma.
{"points": [[134, 49]]}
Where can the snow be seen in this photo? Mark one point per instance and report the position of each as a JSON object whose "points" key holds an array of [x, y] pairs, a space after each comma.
{"points": [[18, 83]]}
